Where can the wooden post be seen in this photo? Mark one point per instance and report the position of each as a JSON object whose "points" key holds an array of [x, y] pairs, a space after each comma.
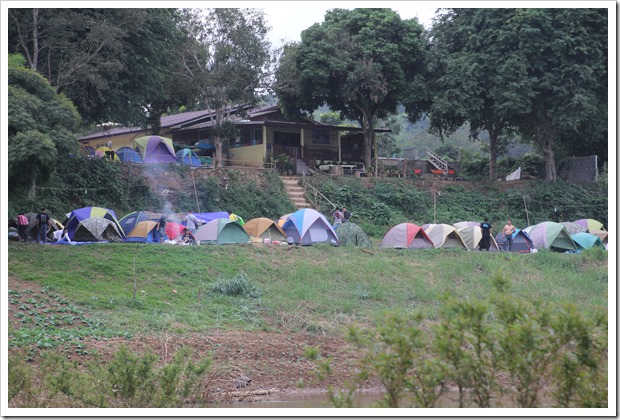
{"points": [[526, 214], [195, 193]]}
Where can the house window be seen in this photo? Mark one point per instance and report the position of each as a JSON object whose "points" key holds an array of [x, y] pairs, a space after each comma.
{"points": [[249, 136], [320, 137]]}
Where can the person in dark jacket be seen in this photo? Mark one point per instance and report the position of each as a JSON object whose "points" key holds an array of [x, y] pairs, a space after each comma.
{"points": [[485, 242]]}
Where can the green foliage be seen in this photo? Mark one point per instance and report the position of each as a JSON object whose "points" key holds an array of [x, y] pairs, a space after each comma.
{"points": [[239, 285], [41, 129], [380, 203], [128, 380], [112, 63], [369, 51], [539, 346]]}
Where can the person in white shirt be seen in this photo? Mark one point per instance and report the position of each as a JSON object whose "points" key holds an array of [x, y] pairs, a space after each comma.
{"points": [[61, 236]]}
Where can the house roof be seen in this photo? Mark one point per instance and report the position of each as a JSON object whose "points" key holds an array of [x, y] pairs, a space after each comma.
{"points": [[195, 120]]}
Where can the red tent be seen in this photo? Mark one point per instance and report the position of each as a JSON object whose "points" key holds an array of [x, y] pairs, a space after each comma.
{"points": [[406, 235]]}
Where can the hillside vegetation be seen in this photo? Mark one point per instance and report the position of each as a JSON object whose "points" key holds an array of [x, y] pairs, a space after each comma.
{"points": [[377, 203]]}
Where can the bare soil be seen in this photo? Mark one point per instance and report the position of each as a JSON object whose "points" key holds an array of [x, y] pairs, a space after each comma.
{"points": [[274, 362]]}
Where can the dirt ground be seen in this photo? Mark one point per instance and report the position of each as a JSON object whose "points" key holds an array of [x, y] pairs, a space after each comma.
{"points": [[274, 362]]}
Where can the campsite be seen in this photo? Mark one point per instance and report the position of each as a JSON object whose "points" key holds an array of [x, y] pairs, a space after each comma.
{"points": [[239, 222]]}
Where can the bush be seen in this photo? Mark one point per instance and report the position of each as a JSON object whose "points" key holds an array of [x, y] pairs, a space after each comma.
{"points": [[239, 285]]}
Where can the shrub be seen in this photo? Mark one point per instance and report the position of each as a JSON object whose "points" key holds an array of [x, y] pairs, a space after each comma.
{"points": [[239, 285]]}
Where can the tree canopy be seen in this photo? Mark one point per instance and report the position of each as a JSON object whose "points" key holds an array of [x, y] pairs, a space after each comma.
{"points": [[114, 64], [226, 64], [541, 73], [42, 127], [360, 62]]}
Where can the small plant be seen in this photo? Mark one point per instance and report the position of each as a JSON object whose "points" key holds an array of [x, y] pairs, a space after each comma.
{"points": [[239, 285]]}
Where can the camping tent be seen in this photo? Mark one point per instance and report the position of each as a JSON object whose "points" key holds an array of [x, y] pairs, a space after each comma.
{"points": [[602, 234], [282, 220], [155, 149], [207, 217], [406, 235], [471, 235], [142, 232], [127, 154], [444, 236], [79, 215], [590, 224], [220, 232], [187, 157], [262, 227], [465, 224], [174, 230], [521, 242], [587, 240], [351, 234], [308, 226], [551, 235], [573, 227], [94, 229], [130, 220]]}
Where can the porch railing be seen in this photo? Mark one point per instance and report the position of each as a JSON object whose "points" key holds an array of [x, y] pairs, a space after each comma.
{"points": [[314, 153]]}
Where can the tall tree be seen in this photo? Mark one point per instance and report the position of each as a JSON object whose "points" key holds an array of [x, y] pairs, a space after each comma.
{"points": [[477, 76], [114, 64], [541, 73], [566, 55], [228, 64], [360, 62], [41, 127]]}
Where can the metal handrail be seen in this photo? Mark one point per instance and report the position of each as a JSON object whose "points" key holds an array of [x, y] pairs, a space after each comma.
{"points": [[316, 192]]}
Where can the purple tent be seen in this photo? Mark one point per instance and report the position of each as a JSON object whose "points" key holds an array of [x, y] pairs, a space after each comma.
{"points": [[207, 217], [155, 149]]}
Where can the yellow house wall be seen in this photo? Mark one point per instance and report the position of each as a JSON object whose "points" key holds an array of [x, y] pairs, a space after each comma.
{"points": [[247, 155]]}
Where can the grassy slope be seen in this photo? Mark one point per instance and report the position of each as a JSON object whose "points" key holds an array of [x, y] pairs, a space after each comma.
{"points": [[316, 288]]}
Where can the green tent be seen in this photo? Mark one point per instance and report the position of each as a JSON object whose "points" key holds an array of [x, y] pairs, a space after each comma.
{"points": [[220, 232], [551, 235], [587, 240], [351, 234]]}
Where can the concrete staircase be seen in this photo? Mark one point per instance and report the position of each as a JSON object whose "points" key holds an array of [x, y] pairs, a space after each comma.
{"points": [[295, 191]]}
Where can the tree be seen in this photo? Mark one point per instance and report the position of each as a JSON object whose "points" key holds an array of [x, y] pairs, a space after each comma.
{"points": [[540, 73], [114, 64], [227, 64], [41, 127], [360, 62], [566, 55], [477, 76]]}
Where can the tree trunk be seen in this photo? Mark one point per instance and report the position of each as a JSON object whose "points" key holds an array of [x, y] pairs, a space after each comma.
{"points": [[550, 170], [32, 193], [218, 151], [492, 154], [35, 39], [367, 130]]}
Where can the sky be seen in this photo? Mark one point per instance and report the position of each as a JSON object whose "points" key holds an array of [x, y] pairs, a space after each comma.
{"points": [[288, 19]]}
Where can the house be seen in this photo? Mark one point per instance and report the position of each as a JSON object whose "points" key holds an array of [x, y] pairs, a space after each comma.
{"points": [[262, 131]]}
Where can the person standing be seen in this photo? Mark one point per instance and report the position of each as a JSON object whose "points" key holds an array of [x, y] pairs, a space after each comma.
{"points": [[161, 228], [337, 217], [508, 231], [485, 242], [191, 222], [346, 214], [22, 224], [43, 223]]}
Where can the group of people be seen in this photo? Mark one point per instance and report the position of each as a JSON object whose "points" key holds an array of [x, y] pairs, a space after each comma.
{"points": [[340, 216], [507, 231], [43, 224]]}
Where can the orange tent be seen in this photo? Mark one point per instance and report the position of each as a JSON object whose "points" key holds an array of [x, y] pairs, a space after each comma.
{"points": [[262, 227]]}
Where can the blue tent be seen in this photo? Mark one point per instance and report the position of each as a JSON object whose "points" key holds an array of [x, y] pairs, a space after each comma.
{"points": [[521, 241], [187, 157], [127, 154]]}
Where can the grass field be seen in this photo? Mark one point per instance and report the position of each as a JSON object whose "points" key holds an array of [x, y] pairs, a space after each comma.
{"points": [[130, 288]]}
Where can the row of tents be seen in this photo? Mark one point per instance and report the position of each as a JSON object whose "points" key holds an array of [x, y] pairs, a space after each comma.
{"points": [[308, 227], [149, 149]]}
